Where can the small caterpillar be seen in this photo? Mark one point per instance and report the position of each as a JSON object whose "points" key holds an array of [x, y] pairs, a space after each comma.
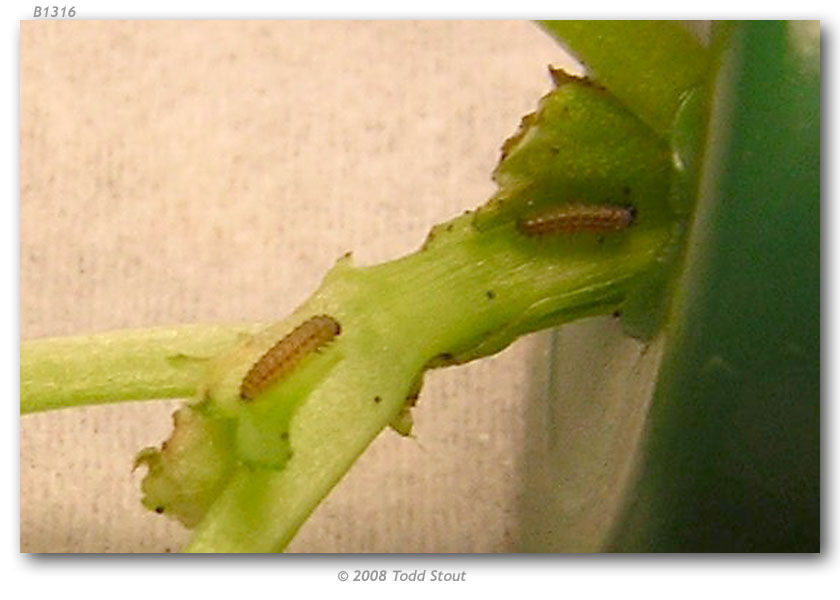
{"points": [[573, 218], [287, 353]]}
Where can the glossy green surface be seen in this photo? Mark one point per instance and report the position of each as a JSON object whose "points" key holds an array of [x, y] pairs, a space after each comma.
{"points": [[731, 457]]}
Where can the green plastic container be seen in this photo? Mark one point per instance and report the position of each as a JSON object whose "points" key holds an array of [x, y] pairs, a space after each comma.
{"points": [[707, 439]]}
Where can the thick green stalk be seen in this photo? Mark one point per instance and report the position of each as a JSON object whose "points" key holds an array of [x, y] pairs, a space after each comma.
{"points": [[467, 294], [120, 366]]}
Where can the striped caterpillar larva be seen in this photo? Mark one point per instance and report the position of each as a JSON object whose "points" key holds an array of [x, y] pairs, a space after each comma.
{"points": [[573, 218], [287, 353]]}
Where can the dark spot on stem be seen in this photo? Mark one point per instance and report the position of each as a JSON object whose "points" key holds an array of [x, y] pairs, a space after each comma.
{"points": [[159, 509], [491, 294], [377, 399], [616, 314], [284, 435]]}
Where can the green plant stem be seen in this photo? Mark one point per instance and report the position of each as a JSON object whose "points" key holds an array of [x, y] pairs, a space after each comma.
{"points": [[465, 295], [120, 366], [248, 474]]}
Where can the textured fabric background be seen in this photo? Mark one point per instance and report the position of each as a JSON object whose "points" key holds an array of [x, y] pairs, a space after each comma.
{"points": [[181, 171]]}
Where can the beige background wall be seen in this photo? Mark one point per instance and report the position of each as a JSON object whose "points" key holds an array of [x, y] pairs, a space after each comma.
{"points": [[213, 171]]}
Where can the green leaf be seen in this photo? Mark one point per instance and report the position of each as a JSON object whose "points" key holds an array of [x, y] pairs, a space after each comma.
{"points": [[581, 146], [648, 65]]}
